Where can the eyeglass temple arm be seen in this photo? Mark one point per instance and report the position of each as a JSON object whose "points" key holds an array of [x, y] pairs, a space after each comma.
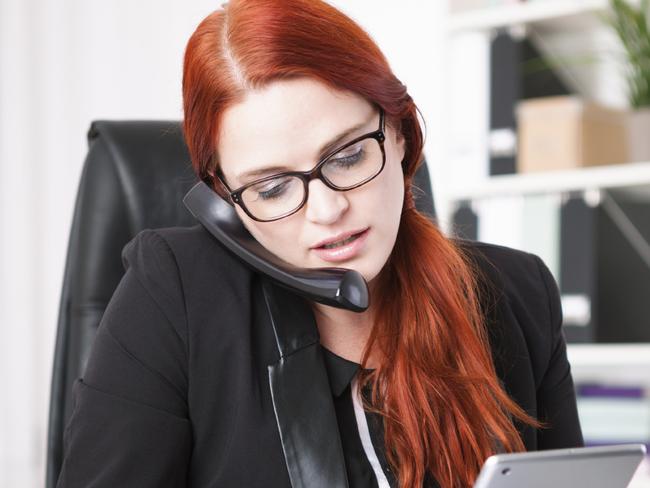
{"points": [[337, 287]]}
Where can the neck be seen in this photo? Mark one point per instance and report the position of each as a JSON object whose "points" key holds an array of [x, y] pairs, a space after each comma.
{"points": [[345, 333]]}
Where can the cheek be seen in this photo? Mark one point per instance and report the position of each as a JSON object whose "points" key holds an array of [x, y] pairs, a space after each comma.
{"points": [[394, 184], [392, 192], [257, 229], [274, 236]]}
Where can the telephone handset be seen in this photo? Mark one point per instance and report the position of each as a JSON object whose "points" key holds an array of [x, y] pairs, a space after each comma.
{"points": [[337, 287]]}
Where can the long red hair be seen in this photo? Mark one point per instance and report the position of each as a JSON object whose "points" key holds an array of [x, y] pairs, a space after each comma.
{"points": [[436, 387]]}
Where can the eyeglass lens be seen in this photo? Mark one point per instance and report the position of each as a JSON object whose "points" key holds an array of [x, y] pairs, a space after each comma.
{"points": [[347, 168]]}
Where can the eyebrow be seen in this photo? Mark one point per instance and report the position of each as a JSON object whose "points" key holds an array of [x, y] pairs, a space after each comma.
{"points": [[324, 150]]}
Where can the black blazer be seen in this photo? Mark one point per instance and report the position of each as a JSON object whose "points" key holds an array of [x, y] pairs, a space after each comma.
{"points": [[176, 392]]}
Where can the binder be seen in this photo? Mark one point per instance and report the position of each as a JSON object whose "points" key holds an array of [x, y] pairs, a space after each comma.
{"points": [[605, 268], [465, 222], [511, 80]]}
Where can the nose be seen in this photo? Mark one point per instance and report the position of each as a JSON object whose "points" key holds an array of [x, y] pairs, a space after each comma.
{"points": [[324, 205]]}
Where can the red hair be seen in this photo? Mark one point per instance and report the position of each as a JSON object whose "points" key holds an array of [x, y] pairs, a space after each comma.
{"points": [[444, 410]]}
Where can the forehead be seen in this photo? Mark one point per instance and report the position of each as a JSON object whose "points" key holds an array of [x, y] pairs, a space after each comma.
{"points": [[284, 124]]}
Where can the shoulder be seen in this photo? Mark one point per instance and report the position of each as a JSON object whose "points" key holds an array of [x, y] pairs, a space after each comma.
{"points": [[508, 262], [180, 266], [178, 250], [180, 242], [519, 275], [522, 300]]}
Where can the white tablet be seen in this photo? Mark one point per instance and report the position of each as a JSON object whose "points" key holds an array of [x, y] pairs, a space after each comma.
{"points": [[595, 467]]}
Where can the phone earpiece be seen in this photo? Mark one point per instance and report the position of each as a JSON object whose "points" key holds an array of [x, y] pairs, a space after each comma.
{"points": [[337, 287]]}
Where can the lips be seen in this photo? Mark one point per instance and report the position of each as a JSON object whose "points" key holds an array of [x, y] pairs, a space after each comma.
{"points": [[340, 237], [351, 248]]}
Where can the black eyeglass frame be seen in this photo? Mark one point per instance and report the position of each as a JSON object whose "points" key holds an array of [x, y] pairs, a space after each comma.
{"points": [[234, 196]]}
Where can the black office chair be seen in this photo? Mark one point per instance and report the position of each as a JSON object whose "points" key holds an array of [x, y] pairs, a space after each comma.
{"points": [[134, 178]]}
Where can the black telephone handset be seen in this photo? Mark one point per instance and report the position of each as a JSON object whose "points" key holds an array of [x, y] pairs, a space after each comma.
{"points": [[338, 287]]}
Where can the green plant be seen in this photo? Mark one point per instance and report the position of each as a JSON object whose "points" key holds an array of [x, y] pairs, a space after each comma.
{"points": [[632, 26]]}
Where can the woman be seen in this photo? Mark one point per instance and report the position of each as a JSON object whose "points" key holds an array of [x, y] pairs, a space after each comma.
{"points": [[460, 354]]}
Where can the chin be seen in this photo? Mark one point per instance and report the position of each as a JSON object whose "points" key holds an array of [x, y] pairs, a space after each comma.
{"points": [[369, 271], [370, 276]]}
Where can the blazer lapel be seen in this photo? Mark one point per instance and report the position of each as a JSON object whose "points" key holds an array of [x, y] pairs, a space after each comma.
{"points": [[302, 399]]}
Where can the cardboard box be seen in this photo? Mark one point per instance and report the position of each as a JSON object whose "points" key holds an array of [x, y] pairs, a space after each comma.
{"points": [[567, 132]]}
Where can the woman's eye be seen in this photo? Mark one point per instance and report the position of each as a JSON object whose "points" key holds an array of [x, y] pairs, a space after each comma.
{"points": [[272, 190], [347, 158]]}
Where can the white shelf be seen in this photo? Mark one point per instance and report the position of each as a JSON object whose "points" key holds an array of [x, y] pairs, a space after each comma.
{"points": [[538, 11], [610, 355], [630, 177], [613, 363]]}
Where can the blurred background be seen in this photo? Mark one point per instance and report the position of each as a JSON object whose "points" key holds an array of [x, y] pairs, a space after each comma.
{"points": [[537, 138]]}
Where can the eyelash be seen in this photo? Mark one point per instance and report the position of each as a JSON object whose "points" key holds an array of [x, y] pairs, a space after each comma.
{"points": [[349, 160], [272, 192]]}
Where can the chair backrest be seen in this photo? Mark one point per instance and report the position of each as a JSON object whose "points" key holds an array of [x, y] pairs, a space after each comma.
{"points": [[134, 178]]}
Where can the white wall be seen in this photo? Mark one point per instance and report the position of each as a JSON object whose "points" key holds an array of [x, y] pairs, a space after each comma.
{"points": [[64, 64]]}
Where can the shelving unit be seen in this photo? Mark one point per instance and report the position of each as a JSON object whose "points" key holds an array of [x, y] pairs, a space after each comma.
{"points": [[615, 364], [619, 363]]}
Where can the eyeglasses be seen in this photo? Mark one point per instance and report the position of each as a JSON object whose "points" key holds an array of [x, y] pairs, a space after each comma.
{"points": [[282, 194]]}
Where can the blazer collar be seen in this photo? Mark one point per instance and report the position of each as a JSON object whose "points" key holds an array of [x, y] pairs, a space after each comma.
{"points": [[302, 395]]}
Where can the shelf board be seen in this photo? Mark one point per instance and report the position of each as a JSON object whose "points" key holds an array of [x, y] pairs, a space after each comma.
{"points": [[631, 177], [610, 355], [615, 363], [532, 12]]}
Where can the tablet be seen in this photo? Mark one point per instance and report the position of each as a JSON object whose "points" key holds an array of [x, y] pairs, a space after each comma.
{"points": [[595, 467]]}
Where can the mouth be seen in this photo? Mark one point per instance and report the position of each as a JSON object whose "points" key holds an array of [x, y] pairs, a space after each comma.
{"points": [[343, 249], [339, 240], [342, 242]]}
